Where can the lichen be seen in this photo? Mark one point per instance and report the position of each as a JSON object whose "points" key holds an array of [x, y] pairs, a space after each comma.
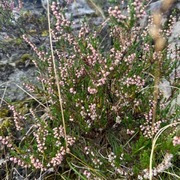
{"points": [[24, 60], [45, 33], [18, 41], [4, 112], [5, 121]]}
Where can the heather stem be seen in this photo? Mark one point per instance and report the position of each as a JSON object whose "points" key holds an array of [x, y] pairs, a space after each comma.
{"points": [[56, 75], [156, 88]]}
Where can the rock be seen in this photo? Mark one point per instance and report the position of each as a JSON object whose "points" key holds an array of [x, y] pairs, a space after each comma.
{"points": [[174, 103], [10, 90], [5, 71], [79, 9], [165, 88], [175, 75], [174, 42], [155, 6], [3, 36]]}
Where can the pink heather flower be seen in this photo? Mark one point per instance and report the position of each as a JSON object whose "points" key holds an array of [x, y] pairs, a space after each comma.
{"points": [[87, 150], [118, 120], [57, 160], [92, 111], [130, 132], [111, 159], [164, 165], [58, 132], [40, 136], [7, 5], [135, 80], [6, 141], [176, 140], [36, 163], [116, 13], [17, 117], [72, 91], [69, 1], [92, 90], [87, 174], [70, 140], [20, 4]]}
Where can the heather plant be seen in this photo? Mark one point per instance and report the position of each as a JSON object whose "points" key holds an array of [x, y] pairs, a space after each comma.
{"points": [[98, 113], [9, 13]]}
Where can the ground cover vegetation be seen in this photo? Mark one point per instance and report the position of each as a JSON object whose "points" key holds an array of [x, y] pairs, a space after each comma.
{"points": [[97, 111]]}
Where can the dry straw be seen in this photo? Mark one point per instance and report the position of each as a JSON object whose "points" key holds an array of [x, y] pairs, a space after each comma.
{"points": [[55, 72], [154, 144], [160, 43]]}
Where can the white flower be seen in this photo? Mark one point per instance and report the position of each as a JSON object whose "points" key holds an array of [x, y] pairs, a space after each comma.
{"points": [[118, 120]]}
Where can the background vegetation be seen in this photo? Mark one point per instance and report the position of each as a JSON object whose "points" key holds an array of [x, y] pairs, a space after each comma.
{"points": [[97, 111]]}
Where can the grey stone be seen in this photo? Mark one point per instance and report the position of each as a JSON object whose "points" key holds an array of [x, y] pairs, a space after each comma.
{"points": [[5, 71], [10, 90], [165, 88], [155, 6], [175, 103]]}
